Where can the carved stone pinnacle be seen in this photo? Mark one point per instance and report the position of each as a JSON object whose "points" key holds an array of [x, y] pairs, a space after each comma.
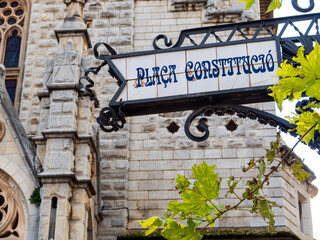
{"points": [[75, 8]]}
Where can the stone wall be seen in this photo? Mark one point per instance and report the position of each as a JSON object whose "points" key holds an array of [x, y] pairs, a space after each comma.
{"points": [[140, 162], [157, 156]]}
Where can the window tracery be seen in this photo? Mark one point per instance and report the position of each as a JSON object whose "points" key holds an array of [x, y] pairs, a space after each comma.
{"points": [[11, 213], [13, 19]]}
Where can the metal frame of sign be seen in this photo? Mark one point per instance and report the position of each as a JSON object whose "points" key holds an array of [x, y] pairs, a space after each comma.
{"points": [[220, 102], [187, 101]]}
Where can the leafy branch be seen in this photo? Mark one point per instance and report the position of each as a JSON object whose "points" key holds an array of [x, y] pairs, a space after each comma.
{"points": [[296, 82], [198, 200]]}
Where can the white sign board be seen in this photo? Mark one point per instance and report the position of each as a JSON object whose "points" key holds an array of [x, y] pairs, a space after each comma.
{"points": [[196, 71]]}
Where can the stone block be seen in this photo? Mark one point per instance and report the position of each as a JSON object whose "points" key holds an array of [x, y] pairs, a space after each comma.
{"points": [[148, 185], [167, 154], [234, 142], [120, 185], [212, 153], [77, 213], [113, 154], [167, 143], [150, 144], [181, 154], [148, 165], [116, 222], [204, 144], [158, 195], [138, 195], [139, 155], [155, 174], [218, 143], [254, 142], [64, 95], [185, 143], [155, 155], [133, 185], [245, 152], [229, 153], [120, 143], [138, 175]]}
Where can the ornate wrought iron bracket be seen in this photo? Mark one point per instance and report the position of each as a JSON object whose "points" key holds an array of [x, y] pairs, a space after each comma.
{"points": [[85, 82], [112, 118], [300, 9], [262, 117]]}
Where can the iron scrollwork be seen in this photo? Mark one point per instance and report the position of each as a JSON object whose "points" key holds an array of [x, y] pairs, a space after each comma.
{"points": [[300, 9], [242, 112], [110, 120], [86, 88], [258, 29]]}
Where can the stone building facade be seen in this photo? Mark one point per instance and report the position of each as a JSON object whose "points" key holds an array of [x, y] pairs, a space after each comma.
{"points": [[96, 185]]}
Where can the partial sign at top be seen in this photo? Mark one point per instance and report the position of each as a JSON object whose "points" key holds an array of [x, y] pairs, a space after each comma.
{"points": [[197, 71], [211, 70]]}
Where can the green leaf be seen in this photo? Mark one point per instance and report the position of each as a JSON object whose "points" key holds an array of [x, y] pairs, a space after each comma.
{"points": [[275, 4], [207, 183], [299, 172], [262, 167], [264, 207], [272, 152], [304, 122], [232, 185], [305, 78], [198, 201], [151, 223], [249, 3], [182, 183], [177, 231]]}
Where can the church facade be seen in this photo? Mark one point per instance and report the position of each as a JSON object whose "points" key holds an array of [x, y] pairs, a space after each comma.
{"points": [[61, 177]]}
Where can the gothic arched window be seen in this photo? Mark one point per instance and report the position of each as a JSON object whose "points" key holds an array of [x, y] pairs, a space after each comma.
{"points": [[13, 32], [11, 213]]}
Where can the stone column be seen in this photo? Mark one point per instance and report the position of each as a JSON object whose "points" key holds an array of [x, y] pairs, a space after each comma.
{"points": [[65, 138]]}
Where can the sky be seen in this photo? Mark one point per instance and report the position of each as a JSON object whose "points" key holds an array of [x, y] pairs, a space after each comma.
{"points": [[311, 158]]}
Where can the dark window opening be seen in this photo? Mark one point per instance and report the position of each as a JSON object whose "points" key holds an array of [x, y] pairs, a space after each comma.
{"points": [[14, 4], [12, 52], [11, 86], [264, 4], [53, 216]]}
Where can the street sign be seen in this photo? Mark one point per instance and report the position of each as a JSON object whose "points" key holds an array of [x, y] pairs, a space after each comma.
{"points": [[186, 78], [235, 67], [188, 73]]}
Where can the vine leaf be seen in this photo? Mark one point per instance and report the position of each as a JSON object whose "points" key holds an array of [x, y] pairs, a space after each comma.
{"points": [[297, 81], [264, 207], [275, 4], [299, 172], [304, 122], [249, 3], [151, 223], [197, 206], [182, 183]]}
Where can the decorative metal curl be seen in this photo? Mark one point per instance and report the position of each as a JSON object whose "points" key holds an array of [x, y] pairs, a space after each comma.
{"points": [[242, 112], [167, 42], [109, 120], [86, 89], [300, 9]]}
